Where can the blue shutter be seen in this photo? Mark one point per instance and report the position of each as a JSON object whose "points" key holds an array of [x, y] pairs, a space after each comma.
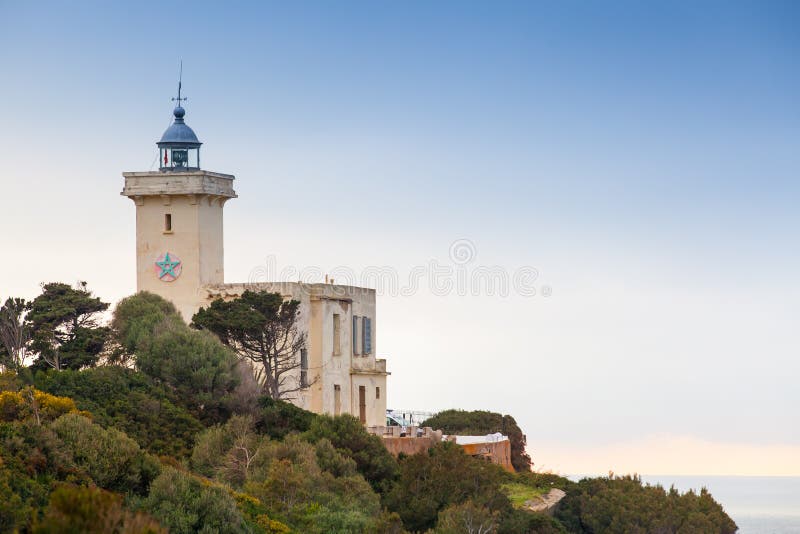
{"points": [[355, 334], [367, 335], [364, 335]]}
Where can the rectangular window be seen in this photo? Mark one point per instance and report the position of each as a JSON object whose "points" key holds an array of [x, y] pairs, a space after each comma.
{"points": [[378, 392], [303, 368], [337, 399], [355, 335], [337, 335], [362, 404], [167, 222], [366, 334]]}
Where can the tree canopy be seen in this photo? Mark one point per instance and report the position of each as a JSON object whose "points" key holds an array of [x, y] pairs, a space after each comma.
{"points": [[622, 504], [193, 365], [14, 334], [65, 328], [261, 327]]}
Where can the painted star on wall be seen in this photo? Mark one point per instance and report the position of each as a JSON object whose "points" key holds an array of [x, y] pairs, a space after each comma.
{"points": [[168, 267]]}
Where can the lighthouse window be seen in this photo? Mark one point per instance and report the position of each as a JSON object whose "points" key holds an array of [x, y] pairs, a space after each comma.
{"points": [[180, 158], [167, 222]]}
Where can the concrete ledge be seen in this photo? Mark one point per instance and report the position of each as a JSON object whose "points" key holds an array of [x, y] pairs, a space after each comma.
{"points": [[317, 291], [139, 184]]}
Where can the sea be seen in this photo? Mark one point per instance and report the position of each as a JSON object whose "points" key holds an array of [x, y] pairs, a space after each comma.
{"points": [[759, 505]]}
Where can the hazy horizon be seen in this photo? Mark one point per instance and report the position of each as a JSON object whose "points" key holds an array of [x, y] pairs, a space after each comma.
{"points": [[643, 159]]}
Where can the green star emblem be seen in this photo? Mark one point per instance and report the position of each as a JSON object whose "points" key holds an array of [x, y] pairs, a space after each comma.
{"points": [[168, 266]]}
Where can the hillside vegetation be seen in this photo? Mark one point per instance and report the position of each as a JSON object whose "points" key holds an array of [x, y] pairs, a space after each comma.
{"points": [[165, 432]]}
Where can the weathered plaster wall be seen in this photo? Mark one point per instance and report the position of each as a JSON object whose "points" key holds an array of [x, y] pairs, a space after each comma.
{"points": [[195, 202], [318, 304]]}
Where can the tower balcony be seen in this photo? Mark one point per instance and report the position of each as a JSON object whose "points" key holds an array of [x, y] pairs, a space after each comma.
{"points": [[190, 182], [368, 366]]}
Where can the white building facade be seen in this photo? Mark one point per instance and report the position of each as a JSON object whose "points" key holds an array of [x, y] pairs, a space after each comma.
{"points": [[180, 256]]}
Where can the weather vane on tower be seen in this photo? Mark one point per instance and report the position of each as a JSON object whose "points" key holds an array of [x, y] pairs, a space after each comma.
{"points": [[180, 79], [179, 147]]}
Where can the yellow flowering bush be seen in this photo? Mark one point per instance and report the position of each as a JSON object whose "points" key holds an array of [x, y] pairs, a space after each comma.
{"points": [[32, 403], [272, 526]]}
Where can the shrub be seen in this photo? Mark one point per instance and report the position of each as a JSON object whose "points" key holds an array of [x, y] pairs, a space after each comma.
{"points": [[10, 381], [444, 476], [74, 509], [136, 318], [112, 459], [622, 504], [349, 436], [466, 517], [193, 364], [129, 401], [14, 510], [278, 418], [33, 404], [184, 504]]}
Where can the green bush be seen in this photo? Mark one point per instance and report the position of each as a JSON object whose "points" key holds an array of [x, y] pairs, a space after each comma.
{"points": [[35, 457], [15, 510], [314, 488], [193, 364], [76, 510], [32, 458], [278, 418], [129, 401], [623, 504], [444, 476], [137, 317], [466, 517], [113, 460], [184, 504], [349, 436]]}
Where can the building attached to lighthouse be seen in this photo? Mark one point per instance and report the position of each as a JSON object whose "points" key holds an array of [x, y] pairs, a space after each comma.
{"points": [[180, 256]]}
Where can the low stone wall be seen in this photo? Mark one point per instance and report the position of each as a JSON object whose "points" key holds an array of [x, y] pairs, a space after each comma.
{"points": [[498, 452], [420, 440], [415, 441], [409, 445]]}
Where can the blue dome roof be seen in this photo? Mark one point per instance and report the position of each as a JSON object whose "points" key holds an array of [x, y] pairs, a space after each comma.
{"points": [[178, 133]]}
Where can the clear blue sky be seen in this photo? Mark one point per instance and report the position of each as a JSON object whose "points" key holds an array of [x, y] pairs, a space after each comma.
{"points": [[644, 158]]}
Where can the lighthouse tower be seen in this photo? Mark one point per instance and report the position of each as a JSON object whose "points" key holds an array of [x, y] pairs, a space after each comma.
{"points": [[179, 219]]}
